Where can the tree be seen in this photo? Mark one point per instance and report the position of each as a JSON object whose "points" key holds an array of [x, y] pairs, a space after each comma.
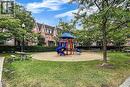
{"points": [[41, 40], [119, 37], [111, 15], [8, 27], [24, 16], [87, 37], [12, 27], [66, 27]]}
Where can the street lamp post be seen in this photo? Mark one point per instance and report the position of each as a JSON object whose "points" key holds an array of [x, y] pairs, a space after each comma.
{"points": [[22, 47]]}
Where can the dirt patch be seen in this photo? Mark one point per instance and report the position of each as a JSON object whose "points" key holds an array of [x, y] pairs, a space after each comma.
{"points": [[52, 56]]}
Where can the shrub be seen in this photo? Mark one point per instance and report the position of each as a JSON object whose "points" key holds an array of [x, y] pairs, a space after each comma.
{"points": [[126, 48], [116, 48], [12, 49], [8, 70], [39, 49]]}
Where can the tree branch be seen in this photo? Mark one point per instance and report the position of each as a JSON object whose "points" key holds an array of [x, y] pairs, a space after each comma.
{"points": [[127, 21], [95, 2]]}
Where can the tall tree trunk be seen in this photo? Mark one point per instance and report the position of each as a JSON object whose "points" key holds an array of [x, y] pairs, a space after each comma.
{"points": [[104, 33]]}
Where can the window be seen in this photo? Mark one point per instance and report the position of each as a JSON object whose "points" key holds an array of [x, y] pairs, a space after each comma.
{"points": [[7, 7], [50, 31]]}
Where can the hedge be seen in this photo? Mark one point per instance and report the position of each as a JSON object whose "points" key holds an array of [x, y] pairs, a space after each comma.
{"points": [[48, 49], [11, 49], [39, 49], [100, 47]]}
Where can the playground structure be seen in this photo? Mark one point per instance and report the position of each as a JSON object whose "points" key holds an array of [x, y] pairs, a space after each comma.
{"points": [[66, 45]]}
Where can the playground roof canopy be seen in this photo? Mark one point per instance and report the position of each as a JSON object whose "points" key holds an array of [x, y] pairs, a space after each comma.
{"points": [[67, 35]]}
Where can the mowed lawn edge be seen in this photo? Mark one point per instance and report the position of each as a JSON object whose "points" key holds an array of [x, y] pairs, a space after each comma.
{"points": [[35, 73]]}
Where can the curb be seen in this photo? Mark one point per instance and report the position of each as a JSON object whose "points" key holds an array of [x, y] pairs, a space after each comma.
{"points": [[1, 69], [126, 83]]}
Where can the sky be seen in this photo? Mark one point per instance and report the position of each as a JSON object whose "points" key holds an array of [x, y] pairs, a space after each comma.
{"points": [[50, 11]]}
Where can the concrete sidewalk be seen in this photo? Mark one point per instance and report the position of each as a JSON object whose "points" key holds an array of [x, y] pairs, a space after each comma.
{"points": [[1, 68], [126, 83]]}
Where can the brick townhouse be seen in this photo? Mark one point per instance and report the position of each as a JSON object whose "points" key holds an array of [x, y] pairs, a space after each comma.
{"points": [[49, 33]]}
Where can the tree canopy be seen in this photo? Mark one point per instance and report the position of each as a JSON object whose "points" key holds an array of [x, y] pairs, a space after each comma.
{"points": [[11, 27], [110, 17]]}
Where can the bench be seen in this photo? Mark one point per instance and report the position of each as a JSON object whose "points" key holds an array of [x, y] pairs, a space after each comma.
{"points": [[23, 55]]}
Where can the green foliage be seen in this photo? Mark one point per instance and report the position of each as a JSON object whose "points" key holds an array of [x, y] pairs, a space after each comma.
{"points": [[9, 70], [25, 17], [12, 27], [111, 16], [4, 36], [41, 40], [87, 37], [39, 49], [126, 48], [117, 20], [12, 49], [66, 27], [8, 27]]}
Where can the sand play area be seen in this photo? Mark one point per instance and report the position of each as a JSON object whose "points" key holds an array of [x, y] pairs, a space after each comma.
{"points": [[52, 56]]}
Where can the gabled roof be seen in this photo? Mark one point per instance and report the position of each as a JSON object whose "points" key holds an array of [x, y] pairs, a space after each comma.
{"points": [[48, 26], [39, 26], [45, 26]]}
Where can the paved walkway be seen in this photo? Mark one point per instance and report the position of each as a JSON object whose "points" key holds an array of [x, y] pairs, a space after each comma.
{"points": [[1, 66], [126, 83]]}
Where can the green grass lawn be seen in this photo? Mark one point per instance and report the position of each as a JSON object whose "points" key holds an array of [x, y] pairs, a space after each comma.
{"points": [[34, 73]]}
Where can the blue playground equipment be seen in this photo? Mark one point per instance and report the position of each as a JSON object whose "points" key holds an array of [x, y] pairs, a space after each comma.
{"points": [[60, 49], [66, 44]]}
